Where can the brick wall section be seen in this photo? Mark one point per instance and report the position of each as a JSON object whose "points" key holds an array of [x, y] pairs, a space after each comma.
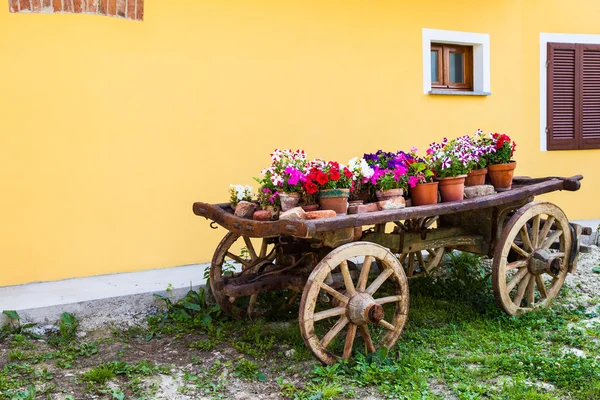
{"points": [[130, 9]]}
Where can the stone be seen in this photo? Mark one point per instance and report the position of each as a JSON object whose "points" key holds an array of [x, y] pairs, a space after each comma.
{"points": [[363, 208], [472, 192], [294, 213], [320, 214], [245, 209], [391, 204], [263, 215]]}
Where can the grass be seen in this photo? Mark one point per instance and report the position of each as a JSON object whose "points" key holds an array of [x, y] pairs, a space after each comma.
{"points": [[456, 344]]}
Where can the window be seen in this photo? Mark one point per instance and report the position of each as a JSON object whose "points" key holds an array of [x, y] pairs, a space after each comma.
{"points": [[451, 67], [573, 96], [456, 63]]}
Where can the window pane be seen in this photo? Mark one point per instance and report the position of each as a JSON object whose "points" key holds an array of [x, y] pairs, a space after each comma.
{"points": [[434, 66], [456, 68]]}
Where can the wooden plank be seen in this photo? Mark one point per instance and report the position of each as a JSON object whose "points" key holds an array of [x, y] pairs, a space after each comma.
{"points": [[309, 228]]}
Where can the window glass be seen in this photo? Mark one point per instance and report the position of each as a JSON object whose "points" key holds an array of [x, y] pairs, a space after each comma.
{"points": [[434, 66], [456, 68]]}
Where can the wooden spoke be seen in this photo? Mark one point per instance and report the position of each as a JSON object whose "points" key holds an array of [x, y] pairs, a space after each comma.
{"points": [[376, 284], [535, 230], [518, 277], [403, 257], [387, 325], [389, 299], [530, 292], [364, 273], [240, 260], [364, 332], [431, 252], [263, 248], [546, 228], [519, 250], [551, 239], [521, 291], [349, 341], [541, 287], [334, 293], [347, 278], [250, 248], [252, 304], [516, 264], [411, 264], [333, 332], [332, 312], [421, 262], [525, 238]]}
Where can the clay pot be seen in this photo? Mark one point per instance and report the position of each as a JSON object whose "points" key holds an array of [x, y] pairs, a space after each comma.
{"points": [[501, 175], [424, 193], [383, 195], [334, 199], [452, 188], [310, 207], [476, 177], [288, 200]]}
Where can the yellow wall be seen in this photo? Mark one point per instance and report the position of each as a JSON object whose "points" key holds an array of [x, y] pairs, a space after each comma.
{"points": [[111, 129]]}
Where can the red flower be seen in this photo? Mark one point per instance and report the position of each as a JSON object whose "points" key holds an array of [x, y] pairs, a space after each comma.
{"points": [[347, 173], [334, 174], [311, 187], [321, 178]]}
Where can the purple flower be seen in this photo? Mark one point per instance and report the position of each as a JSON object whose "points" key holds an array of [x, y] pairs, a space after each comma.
{"points": [[446, 163]]}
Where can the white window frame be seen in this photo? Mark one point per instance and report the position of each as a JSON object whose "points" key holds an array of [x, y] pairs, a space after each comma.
{"points": [[481, 58], [546, 38]]}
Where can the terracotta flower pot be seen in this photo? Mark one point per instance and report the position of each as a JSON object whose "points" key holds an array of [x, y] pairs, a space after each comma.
{"points": [[288, 200], [334, 199], [424, 193], [310, 207], [452, 188], [501, 175], [383, 195], [476, 177]]}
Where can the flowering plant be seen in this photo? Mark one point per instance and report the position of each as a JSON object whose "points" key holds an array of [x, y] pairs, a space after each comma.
{"points": [[389, 170], [361, 173], [286, 172], [505, 149], [238, 193], [450, 159], [268, 197], [482, 146], [419, 169], [329, 175]]}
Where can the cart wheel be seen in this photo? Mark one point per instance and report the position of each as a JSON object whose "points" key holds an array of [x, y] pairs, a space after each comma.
{"points": [[227, 264], [361, 305], [416, 264], [420, 263], [534, 273]]}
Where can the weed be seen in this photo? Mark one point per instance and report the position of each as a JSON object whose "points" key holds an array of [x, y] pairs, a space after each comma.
{"points": [[99, 375]]}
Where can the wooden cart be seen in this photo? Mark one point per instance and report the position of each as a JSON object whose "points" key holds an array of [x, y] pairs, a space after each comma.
{"points": [[341, 265]]}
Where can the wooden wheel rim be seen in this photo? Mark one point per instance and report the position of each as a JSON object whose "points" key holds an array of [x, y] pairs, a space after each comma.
{"points": [[216, 275], [390, 269], [525, 282]]}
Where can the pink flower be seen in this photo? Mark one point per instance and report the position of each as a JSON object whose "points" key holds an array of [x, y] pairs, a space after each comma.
{"points": [[414, 150], [412, 181]]}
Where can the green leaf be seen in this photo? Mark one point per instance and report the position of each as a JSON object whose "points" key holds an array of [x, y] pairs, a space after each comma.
{"points": [[382, 353], [191, 306], [118, 394], [67, 318], [261, 377], [596, 270], [12, 314]]}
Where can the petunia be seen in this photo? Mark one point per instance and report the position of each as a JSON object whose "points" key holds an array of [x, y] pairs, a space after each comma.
{"points": [[412, 181]]}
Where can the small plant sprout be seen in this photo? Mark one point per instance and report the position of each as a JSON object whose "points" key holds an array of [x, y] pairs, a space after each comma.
{"points": [[239, 193]]}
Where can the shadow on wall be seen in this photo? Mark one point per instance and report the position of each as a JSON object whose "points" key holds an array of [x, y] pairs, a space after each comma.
{"points": [[129, 9]]}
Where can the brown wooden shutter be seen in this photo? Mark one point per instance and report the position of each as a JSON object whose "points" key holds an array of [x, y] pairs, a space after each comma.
{"points": [[590, 96], [563, 122]]}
